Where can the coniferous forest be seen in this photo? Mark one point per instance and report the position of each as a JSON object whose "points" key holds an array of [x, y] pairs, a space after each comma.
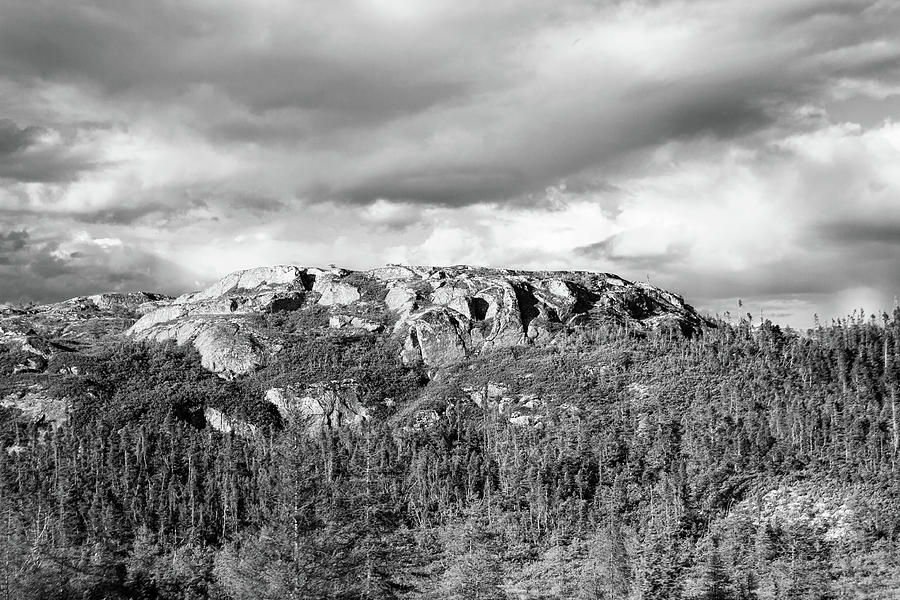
{"points": [[748, 461]]}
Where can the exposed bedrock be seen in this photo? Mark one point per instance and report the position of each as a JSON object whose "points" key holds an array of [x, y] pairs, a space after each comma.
{"points": [[441, 315]]}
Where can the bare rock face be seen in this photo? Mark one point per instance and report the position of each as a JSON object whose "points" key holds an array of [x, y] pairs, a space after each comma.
{"points": [[220, 321], [225, 348], [136, 302], [440, 334], [46, 333], [450, 313], [48, 329], [37, 406], [321, 406], [221, 422], [335, 292], [440, 315], [401, 300], [830, 507], [256, 281], [342, 321]]}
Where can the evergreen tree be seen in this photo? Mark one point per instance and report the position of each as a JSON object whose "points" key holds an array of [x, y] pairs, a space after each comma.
{"points": [[716, 582], [474, 568]]}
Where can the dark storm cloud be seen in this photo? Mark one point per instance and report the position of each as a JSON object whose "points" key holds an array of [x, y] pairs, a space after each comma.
{"points": [[730, 97], [605, 250], [154, 211], [115, 44], [363, 88], [26, 157], [161, 50], [127, 215], [565, 145], [448, 186], [173, 206], [13, 241], [854, 233], [56, 269], [14, 139]]}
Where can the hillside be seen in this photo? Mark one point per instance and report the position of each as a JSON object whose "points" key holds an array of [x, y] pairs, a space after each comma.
{"points": [[457, 432]]}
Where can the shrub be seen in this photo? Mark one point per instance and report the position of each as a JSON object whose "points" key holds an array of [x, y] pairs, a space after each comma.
{"points": [[370, 289]]}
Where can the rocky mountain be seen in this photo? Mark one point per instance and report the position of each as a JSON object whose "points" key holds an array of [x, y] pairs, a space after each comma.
{"points": [[49, 339], [436, 315], [442, 315]]}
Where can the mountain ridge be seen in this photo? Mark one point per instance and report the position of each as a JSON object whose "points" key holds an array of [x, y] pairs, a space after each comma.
{"points": [[443, 314], [440, 314]]}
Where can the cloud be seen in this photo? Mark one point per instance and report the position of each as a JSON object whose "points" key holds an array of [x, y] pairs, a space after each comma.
{"points": [[53, 269], [451, 105], [722, 148], [11, 243], [642, 248], [391, 215], [34, 154], [855, 232], [14, 139]]}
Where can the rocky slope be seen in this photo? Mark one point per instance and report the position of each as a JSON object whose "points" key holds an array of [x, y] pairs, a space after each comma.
{"points": [[48, 339], [437, 315], [442, 315]]}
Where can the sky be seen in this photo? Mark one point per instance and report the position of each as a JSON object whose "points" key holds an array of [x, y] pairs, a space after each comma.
{"points": [[723, 149]]}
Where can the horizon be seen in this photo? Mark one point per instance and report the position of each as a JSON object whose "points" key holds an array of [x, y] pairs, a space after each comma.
{"points": [[723, 151]]}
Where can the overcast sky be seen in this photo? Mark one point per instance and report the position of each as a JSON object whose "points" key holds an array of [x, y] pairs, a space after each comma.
{"points": [[723, 149]]}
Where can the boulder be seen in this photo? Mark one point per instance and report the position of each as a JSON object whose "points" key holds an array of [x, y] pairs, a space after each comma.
{"points": [[454, 296], [219, 321], [401, 300], [131, 301], [329, 405], [335, 292], [370, 326], [32, 364], [224, 348], [341, 321], [437, 336], [37, 406], [166, 314], [396, 272], [221, 422], [278, 276]]}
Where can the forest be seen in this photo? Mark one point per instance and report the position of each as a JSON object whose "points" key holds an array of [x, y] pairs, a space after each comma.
{"points": [[747, 462]]}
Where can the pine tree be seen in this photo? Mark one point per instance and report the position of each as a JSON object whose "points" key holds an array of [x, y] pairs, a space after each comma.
{"points": [[716, 583], [607, 572], [660, 566], [474, 569]]}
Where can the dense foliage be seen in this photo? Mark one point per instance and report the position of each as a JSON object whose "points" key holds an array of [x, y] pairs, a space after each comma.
{"points": [[744, 463]]}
